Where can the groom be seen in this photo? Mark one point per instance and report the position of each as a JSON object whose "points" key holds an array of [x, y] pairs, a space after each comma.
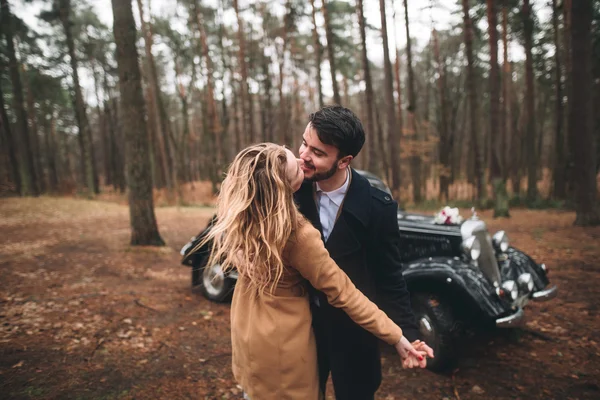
{"points": [[359, 226]]}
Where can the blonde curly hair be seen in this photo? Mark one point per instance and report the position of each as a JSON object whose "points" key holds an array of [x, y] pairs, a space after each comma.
{"points": [[256, 215]]}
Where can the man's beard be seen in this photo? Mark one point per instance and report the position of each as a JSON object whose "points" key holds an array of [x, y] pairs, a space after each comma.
{"points": [[321, 176]]}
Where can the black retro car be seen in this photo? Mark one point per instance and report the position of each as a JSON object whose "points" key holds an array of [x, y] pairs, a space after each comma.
{"points": [[459, 276]]}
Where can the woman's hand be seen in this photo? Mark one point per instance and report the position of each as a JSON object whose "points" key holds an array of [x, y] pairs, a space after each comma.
{"points": [[409, 354], [424, 350]]}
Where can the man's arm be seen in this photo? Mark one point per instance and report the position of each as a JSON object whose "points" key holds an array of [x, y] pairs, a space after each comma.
{"points": [[392, 294]]}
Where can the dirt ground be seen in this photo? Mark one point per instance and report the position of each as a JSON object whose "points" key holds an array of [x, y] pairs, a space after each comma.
{"points": [[83, 315]]}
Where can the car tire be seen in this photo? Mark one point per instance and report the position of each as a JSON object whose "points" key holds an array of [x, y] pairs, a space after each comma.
{"points": [[438, 328], [212, 282]]}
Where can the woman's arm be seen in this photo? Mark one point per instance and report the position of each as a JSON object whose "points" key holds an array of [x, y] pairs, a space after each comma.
{"points": [[310, 258]]}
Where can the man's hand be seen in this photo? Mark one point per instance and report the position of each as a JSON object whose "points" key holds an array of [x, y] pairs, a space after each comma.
{"points": [[412, 361]]}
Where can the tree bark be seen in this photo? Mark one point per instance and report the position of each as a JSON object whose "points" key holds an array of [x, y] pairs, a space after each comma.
{"points": [[144, 230], [331, 53], [530, 136], [26, 170], [559, 165], [580, 115], [497, 149], [317, 44], [247, 117], [160, 127], [444, 148], [473, 108], [11, 146], [374, 165], [415, 158], [85, 142], [390, 107], [505, 114]]}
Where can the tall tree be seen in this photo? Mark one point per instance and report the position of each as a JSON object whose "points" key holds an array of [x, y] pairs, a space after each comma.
{"points": [[373, 158], [559, 167], [247, 117], [580, 115], [144, 230], [11, 147], [472, 100], [27, 170], [505, 114], [317, 44], [331, 53], [156, 105], [530, 136], [85, 135], [497, 149], [443, 123], [415, 157], [393, 134]]}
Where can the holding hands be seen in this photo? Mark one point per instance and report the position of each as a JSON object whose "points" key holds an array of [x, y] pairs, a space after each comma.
{"points": [[413, 355]]}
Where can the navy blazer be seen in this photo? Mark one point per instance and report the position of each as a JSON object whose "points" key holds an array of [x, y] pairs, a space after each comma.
{"points": [[364, 242]]}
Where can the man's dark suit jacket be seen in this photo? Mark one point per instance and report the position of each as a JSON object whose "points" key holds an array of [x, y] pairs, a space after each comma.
{"points": [[364, 243]]}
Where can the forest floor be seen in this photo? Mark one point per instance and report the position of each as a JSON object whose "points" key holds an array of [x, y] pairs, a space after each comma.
{"points": [[83, 315]]}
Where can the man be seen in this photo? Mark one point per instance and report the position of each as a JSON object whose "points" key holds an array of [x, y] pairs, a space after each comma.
{"points": [[359, 226]]}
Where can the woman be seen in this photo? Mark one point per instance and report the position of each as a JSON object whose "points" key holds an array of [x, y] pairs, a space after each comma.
{"points": [[276, 251]]}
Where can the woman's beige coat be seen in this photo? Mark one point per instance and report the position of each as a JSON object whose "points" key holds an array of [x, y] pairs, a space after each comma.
{"points": [[273, 347]]}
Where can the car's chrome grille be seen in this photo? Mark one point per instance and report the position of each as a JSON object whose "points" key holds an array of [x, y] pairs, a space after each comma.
{"points": [[487, 260]]}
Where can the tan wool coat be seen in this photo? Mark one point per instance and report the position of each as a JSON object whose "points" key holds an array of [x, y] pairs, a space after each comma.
{"points": [[273, 346]]}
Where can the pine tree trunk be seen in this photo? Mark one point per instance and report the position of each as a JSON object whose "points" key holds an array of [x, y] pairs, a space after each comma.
{"points": [[390, 107], [444, 148], [331, 53], [530, 136], [497, 149], [570, 148], [155, 105], [505, 115], [88, 167], [374, 166], [216, 129], [477, 152], [27, 169], [559, 165], [247, 125], [580, 116], [34, 139], [51, 156], [400, 128], [318, 50], [415, 159], [144, 230], [11, 146]]}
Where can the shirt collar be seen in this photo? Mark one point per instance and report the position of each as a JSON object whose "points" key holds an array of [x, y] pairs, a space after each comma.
{"points": [[337, 195]]}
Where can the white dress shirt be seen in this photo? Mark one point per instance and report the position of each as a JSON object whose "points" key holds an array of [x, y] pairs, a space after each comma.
{"points": [[329, 205]]}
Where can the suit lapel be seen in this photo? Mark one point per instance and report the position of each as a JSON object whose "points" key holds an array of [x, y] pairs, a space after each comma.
{"points": [[306, 204]]}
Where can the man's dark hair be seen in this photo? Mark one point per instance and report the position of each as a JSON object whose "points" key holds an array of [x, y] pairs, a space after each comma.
{"points": [[338, 126]]}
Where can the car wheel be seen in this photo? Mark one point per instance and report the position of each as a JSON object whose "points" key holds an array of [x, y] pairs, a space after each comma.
{"points": [[212, 282], [438, 329]]}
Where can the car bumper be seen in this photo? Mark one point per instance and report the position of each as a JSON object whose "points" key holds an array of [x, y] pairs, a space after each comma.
{"points": [[512, 320], [544, 295]]}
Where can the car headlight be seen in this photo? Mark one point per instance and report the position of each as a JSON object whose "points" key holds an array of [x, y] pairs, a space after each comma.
{"points": [[500, 240], [510, 287], [472, 247], [525, 282]]}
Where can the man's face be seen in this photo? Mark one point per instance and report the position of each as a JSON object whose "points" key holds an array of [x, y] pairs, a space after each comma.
{"points": [[320, 160]]}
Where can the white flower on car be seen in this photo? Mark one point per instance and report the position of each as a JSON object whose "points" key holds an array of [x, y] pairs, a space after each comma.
{"points": [[448, 216]]}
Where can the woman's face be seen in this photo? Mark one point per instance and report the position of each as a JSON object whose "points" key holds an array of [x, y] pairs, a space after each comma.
{"points": [[293, 170]]}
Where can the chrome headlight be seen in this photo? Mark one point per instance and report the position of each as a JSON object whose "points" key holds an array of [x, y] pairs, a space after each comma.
{"points": [[525, 282], [501, 242], [510, 287], [472, 247]]}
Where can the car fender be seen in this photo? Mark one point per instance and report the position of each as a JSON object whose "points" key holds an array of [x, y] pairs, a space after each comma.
{"points": [[457, 278]]}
